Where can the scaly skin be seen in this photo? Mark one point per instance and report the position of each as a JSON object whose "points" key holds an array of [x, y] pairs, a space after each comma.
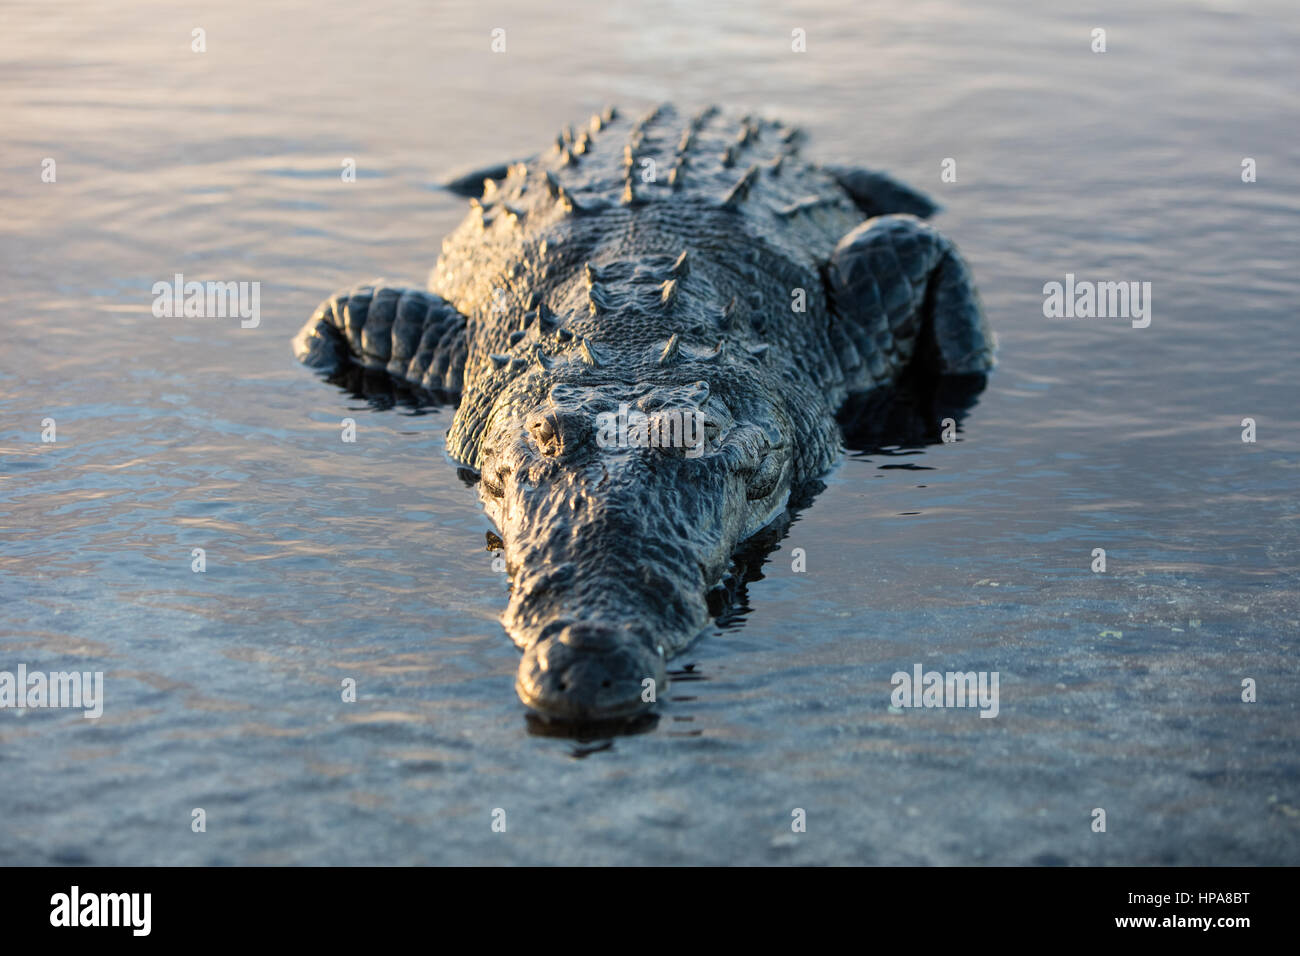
{"points": [[575, 286]]}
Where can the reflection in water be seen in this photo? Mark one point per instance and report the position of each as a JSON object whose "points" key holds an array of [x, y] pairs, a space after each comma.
{"points": [[601, 732]]}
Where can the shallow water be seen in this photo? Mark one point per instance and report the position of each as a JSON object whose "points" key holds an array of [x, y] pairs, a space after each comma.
{"points": [[328, 560]]}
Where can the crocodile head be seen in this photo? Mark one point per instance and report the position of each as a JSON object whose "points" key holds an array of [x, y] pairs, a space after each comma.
{"points": [[619, 507]]}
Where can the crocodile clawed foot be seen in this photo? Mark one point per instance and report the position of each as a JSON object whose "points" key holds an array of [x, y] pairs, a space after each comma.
{"points": [[590, 672]]}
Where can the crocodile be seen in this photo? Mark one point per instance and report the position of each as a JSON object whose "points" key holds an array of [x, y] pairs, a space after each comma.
{"points": [[688, 267]]}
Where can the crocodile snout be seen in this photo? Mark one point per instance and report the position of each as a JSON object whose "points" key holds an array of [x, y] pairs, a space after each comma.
{"points": [[589, 671]]}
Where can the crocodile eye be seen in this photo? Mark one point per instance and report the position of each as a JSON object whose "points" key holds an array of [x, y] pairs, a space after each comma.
{"points": [[543, 432], [492, 488], [766, 477], [555, 432]]}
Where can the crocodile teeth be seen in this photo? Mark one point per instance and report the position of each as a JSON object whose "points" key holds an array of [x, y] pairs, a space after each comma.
{"points": [[681, 268]]}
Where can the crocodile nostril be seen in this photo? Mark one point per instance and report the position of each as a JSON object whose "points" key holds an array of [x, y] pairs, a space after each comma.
{"points": [[587, 670]]}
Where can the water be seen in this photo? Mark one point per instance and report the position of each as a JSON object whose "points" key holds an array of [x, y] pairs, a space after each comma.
{"points": [[328, 561]]}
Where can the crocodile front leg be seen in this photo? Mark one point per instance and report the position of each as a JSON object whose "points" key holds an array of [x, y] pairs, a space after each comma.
{"points": [[902, 297], [415, 336]]}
